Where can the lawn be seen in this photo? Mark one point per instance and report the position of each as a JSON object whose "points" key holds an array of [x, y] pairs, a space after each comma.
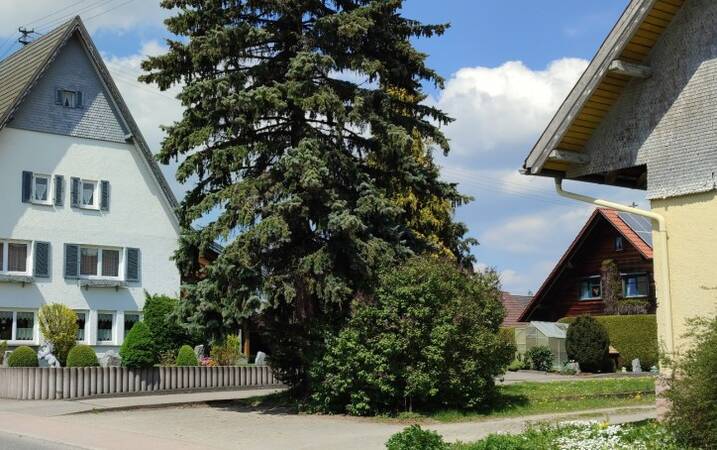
{"points": [[524, 399], [578, 436], [521, 399]]}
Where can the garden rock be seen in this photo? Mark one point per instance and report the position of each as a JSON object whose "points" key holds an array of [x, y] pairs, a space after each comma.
{"points": [[199, 351], [573, 366], [260, 359], [110, 358], [636, 367]]}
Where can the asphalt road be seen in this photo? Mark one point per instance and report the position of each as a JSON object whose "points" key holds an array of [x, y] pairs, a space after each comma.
{"points": [[9, 441]]}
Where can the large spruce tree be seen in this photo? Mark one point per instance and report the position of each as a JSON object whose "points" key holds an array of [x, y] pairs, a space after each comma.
{"points": [[306, 133]]}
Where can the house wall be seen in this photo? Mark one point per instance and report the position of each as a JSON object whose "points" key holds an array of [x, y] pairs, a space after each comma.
{"points": [[71, 70], [667, 120], [139, 217], [563, 298], [692, 248]]}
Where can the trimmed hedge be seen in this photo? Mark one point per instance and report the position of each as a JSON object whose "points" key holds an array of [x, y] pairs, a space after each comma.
{"points": [[138, 350], [22, 356], [82, 356], [633, 336]]}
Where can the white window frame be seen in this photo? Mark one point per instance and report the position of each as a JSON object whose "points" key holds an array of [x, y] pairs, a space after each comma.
{"points": [[48, 201], [35, 328], [114, 328], [624, 276], [5, 257], [580, 287], [95, 194], [87, 325], [100, 252]]}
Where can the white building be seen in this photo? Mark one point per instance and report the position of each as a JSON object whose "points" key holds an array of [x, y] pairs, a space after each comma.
{"points": [[87, 218]]}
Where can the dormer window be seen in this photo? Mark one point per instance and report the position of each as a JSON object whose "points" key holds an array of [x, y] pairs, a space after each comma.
{"points": [[68, 99]]}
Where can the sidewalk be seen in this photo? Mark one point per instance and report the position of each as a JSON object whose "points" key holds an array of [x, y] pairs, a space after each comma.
{"points": [[53, 408]]}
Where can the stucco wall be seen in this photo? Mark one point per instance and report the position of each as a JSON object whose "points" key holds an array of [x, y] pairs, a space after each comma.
{"points": [[138, 217], [667, 120], [692, 246]]}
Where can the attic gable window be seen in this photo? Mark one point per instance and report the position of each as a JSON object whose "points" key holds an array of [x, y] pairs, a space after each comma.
{"points": [[68, 99]]}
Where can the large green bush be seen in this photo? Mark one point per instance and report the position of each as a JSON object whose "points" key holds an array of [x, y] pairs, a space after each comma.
{"points": [[186, 357], [58, 325], [160, 318], [138, 349], [588, 343], [633, 336], [693, 388], [82, 356], [429, 338], [415, 438], [22, 356]]}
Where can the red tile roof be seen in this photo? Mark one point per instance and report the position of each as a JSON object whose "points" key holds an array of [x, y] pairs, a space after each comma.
{"points": [[514, 307], [612, 216]]}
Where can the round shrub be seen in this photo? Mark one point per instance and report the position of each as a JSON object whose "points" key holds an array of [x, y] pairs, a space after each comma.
{"points": [[428, 339], [416, 438], [138, 350], [692, 389], [588, 344], [22, 356], [186, 357], [82, 356], [540, 357]]}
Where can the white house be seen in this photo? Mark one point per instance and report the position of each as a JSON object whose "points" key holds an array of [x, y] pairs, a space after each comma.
{"points": [[87, 218]]}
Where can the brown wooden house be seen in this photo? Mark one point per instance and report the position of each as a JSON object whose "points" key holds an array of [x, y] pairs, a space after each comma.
{"points": [[575, 285]]}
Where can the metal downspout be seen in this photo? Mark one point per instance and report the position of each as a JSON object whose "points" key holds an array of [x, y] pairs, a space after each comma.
{"points": [[661, 243]]}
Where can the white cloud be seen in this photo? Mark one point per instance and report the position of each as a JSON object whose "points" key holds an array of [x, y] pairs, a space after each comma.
{"points": [[527, 280], [506, 105], [43, 15], [150, 107], [531, 233]]}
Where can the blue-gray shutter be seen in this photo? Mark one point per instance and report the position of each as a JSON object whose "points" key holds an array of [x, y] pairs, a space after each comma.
{"points": [[72, 261], [75, 192], [59, 190], [105, 195], [133, 264], [78, 99], [26, 186], [58, 97], [42, 260]]}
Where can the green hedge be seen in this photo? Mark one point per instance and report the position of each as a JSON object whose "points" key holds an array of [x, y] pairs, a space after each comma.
{"points": [[633, 336], [82, 356], [22, 356]]}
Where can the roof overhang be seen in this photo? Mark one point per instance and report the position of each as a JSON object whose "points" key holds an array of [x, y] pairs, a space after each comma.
{"points": [[621, 58]]}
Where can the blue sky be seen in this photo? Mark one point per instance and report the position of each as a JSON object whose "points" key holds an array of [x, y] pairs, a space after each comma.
{"points": [[508, 65]]}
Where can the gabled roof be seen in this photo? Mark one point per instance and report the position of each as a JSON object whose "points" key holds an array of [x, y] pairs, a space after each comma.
{"points": [[514, 307], [613, 218], [20, 72], [619, 59]]}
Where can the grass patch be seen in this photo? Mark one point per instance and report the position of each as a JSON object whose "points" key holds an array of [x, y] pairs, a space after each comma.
{"points": [[520, 399], [524, 399]]}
